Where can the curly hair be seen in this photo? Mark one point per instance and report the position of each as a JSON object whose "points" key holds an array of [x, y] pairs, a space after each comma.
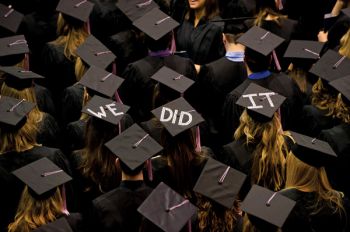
{"points": [[344, 49], [342, 109], [322, 98], [268, 168]]}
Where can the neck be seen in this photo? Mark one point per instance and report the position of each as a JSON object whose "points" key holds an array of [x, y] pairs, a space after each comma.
{"points": [[232, 47], [198, 14], [248, 70], [132, 178]]}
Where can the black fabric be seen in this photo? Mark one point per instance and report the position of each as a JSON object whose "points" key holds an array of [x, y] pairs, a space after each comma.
{"points": [[44, 100], [74, 136], [49, 133], [72, 103]]}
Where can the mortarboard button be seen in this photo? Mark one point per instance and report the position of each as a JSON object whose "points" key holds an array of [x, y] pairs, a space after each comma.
{"points": [[101, 81], [135, 9], [167, 209], [19, 78], [134, 146], [177, 116], [220, 183], [155, 23], [260, 40], [172, 79], [13, 111], [42, 176], [60, 225], [331, 66], [94, 53], [10, 18], [267, 205], [343, 86], [304, 49], [105, 109], [312, 151], [260, 101], [79, 9]]}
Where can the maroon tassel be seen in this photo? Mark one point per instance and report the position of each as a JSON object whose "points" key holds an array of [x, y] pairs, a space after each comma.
{"points": [[149, 169]]}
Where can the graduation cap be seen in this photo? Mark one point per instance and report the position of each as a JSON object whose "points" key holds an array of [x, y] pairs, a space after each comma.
{"points": [[343, 86], [331, 66], [93, 52], [261, 103], [220, 183], [42, 175], [101, 81], [13, 45], [260, 40], [105, 109], [10, 18], [135, 9], [60, 225], [172, 79], [134, 146], [267, 205], [234, 25], [155, 23], [167, 209], [13, 111], [328, 21], [78, 9], [312, 151], [346, 11], [19, 78], [304, 49], [177, 116]]}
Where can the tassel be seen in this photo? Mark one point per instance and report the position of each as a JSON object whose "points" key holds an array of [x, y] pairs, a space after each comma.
{"points": [[189, 226], [275, 58], [173, 44], [63, 193], [26, 62], [198, 140], [88, 27], [149, 169]]}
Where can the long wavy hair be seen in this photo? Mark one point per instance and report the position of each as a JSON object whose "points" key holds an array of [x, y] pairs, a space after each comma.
{"points": [[344, 49], [323, 98], [216, 218], [265, 8], [268, 138], [342, 109], [311, 179], [33, 213], [299, 76], [71, 34], [80, 68], [98, 162], [211, 10]]}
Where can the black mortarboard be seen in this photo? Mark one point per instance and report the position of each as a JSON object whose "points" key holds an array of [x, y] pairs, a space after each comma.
{"points": [[343, 86], [331, 66], [10, 18], [328, 21], [13, 111], [101, 81], [312, 151], [13, 45], [105, 109], [93, 52], [167, 209], [60, 225], [220, 183], [261, 103], [267, 205], [135, 9], [155, 23], [234, 25], [304, 49], [134, 146], [260, 40], [78, 9], [177, 116], [42, 176], [19, 78], [172, 79], [346, 11]]}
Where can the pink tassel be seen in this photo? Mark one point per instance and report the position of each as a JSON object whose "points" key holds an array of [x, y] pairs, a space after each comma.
{"points": [[280, 4], [114, 68], [63, 192], [173, 44], [26, 61], [189, 226], [149, 169], [88, 27], [275, 58], [198, 140]]}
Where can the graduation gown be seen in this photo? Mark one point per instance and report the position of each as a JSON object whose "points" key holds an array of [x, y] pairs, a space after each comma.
{"points": [[137, 89], [280, 83], [339, 139], [44, 100], [203, 44], [117, 209], [72, 103], [49, 133], [13, 187], [74, 136]]}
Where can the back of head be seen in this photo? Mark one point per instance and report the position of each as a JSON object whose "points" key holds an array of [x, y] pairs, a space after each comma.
{"points": [[266, 4], [159, 45], [255, 61]]}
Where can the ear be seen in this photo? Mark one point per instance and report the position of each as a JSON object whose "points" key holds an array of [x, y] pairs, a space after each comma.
{"points": [[224, 39], [117, 162]]}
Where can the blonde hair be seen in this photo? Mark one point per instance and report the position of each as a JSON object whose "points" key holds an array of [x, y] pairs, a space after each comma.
{"points": [[80, 68], [33, 213], [70, 36], [344, 49], [299, 76], [268, 167], [264, 13], [311, 179], [322, 98], [342, 110]]}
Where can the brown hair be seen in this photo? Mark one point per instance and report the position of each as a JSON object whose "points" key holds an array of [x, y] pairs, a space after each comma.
{"points": [[322, 98], [299, 76], [264, 13], [211, 10], [344, 49], [342, 109]]}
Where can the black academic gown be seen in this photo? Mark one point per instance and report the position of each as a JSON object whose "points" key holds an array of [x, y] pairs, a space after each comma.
{"points": [[117, 209], [339, 139], [203, 44], [49, 133], [74, 136], [279, 83], [72, 103], [13, 187], [44, 100], [137, 89], [302, 218]]}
